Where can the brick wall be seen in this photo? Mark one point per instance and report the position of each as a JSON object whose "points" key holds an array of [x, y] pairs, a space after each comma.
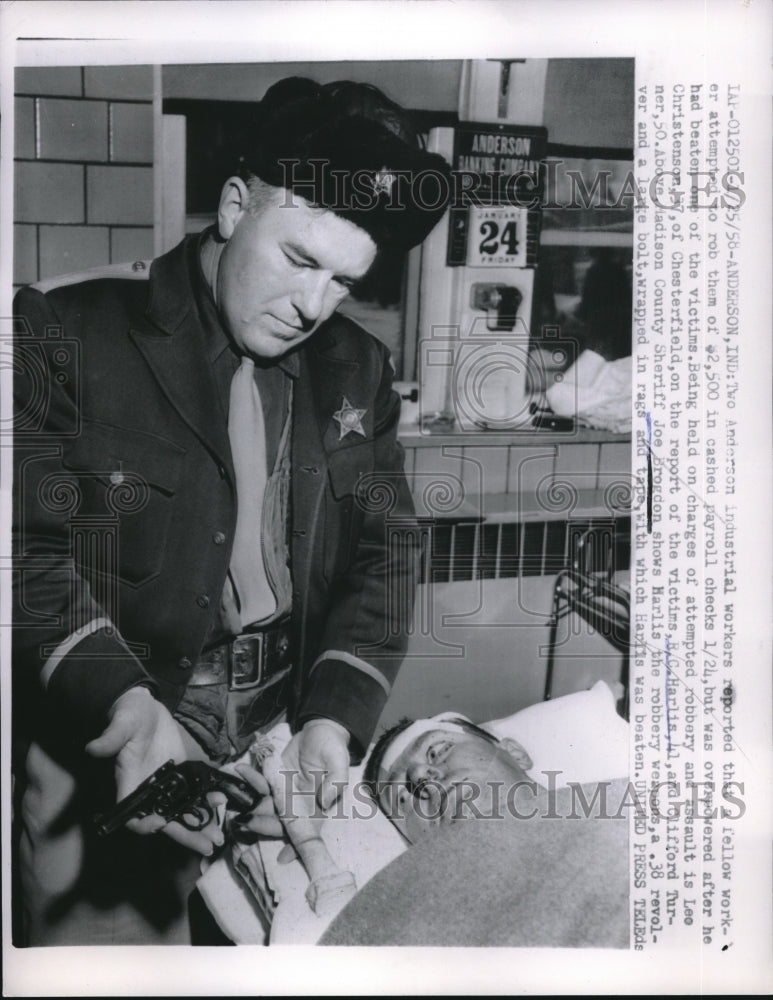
{"points": [[84, 168]]}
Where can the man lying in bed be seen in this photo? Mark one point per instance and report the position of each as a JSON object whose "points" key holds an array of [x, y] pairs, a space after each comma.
{"points": [[493, 881], [498, 858]]}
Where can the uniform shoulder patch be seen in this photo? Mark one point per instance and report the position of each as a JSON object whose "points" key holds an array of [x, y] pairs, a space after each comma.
{"points": [[138, 270]]}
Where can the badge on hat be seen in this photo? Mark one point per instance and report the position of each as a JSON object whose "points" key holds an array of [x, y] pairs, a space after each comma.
{"points": [[349, 419]]}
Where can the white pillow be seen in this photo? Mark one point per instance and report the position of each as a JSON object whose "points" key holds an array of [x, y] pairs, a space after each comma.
{"points": [[579, 735]]}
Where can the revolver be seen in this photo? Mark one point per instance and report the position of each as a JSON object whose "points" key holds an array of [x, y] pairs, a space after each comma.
{"points": [[177, 792]]}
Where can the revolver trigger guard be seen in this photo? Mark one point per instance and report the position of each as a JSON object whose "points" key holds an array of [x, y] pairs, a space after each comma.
{"points": [[196, 818]]}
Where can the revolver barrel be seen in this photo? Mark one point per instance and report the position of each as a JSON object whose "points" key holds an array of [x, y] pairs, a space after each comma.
{"points": [[136, 804]]}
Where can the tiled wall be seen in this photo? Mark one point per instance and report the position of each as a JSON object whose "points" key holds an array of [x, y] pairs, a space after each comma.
{"points": [[84, 168], [524, 469]]}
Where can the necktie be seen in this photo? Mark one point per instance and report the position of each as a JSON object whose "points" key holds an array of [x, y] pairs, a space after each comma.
{"points": [[246, 430]]}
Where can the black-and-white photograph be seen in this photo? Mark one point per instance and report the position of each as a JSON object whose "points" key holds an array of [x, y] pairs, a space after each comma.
{"points": [[299, 202], [346, 469]]}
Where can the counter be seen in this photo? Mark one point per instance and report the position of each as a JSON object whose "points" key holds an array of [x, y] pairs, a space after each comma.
{"points": [[517, 474]]}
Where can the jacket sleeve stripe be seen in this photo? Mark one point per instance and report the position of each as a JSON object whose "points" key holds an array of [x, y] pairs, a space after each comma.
{"points": [[68, 645], [357, 663]]}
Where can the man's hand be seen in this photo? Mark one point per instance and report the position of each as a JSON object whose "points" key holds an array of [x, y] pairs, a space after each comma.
{"points": [[319, 756], [142, 735], [320, 751]]}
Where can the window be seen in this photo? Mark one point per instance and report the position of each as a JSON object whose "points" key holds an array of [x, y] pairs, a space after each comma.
{"points": [[583, 280]]}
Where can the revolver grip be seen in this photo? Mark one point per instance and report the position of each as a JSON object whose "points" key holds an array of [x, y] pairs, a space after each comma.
{"points": [[241, 796], [202, 776]]}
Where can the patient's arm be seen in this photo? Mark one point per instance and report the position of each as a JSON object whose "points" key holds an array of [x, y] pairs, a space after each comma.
{"points": [[296, 808]]}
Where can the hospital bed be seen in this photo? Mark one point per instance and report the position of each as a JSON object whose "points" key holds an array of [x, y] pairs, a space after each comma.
{"points": [[257, 900], [595, 591]]}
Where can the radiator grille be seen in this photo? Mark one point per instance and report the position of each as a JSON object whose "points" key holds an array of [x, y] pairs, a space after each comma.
{"points": [[476, 551]]}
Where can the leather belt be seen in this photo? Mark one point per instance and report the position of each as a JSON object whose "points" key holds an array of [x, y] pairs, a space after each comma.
{"points": [[248, 661]]}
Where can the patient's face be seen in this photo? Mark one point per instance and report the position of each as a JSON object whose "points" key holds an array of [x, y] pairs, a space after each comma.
{"points": [[445, 776]]}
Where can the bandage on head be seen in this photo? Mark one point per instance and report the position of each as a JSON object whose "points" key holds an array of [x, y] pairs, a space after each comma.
{"points": [[450, 722]]}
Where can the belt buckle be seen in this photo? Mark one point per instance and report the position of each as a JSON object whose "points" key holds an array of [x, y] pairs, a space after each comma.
{"points": [[246, 662]]}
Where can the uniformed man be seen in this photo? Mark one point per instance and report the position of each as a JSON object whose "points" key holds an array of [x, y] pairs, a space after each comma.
{"points": [[213, 526]]}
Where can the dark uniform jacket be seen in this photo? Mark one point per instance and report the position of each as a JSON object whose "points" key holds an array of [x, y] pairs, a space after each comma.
{"points": [[125, 503]]}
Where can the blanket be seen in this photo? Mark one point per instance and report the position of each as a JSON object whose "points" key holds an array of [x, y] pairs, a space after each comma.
{"points": [[541, 882]]}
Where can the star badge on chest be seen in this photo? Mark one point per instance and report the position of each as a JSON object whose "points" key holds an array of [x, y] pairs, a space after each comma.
{"points": [[349, 419]]}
